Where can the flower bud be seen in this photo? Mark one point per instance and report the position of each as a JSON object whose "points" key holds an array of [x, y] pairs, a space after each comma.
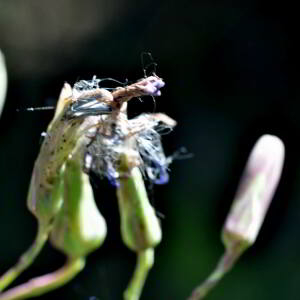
{"points": [[79, 227], [151, 85], [255, 193], [140, 227], [249, 207]]}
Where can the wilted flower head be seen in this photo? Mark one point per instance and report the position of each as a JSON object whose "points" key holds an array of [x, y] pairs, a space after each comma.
{"points": [[116, 134], [255, 192]]}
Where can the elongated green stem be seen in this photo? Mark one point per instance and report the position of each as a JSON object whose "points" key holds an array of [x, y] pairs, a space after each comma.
{"points": [[43, 284], [145, 261], [225, 264], [26, 259]]}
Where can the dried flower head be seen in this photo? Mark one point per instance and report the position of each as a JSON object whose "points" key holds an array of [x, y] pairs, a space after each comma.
{"points": [[116, 134]]}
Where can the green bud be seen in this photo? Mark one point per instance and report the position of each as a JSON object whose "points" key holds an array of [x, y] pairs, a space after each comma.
{"points": [[79, 227], [140, 228]]}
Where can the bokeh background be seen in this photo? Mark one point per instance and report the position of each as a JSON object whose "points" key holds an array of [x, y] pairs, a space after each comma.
{"points": [[231, 72]]}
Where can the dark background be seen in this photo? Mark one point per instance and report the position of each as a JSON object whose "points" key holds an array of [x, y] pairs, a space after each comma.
{"points": [[231, 72]]}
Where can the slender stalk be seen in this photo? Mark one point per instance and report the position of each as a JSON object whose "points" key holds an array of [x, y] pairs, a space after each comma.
{"points": [[26, 259], [145, 260], [226, 262], [43, 284]]}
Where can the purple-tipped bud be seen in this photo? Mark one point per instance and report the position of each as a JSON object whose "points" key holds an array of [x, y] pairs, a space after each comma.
{"points": [[255, 192], [158, 83], [150, 89], [152, 85]]}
